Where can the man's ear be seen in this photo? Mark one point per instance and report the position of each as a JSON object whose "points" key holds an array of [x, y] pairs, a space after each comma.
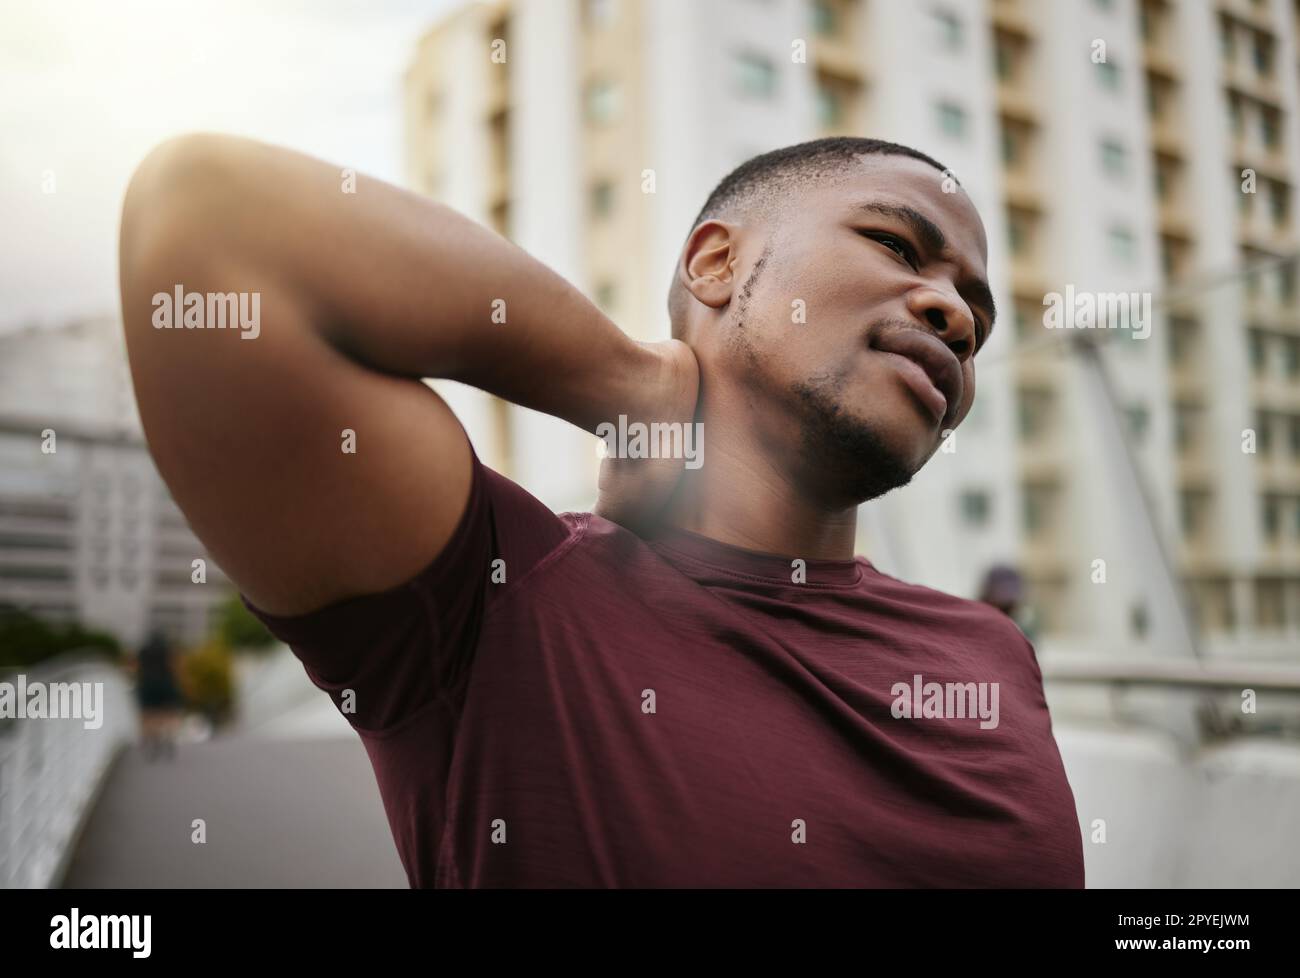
{"points": [[707, 265]]}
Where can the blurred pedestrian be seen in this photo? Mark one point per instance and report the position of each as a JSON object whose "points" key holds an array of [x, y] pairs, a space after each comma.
{"points": [[158, 696], [1004, 589]]}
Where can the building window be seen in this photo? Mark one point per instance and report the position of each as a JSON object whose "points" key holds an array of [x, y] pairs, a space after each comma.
{"points": [[602, 198], [1002, 58], [1189, 514], [606, 295], [1277, 199], [1122, 245], [1184, 427], [1272, 516], [1036, 514], [755, 74], [1235, 114], [1291, 357], [1268, 126], [1182, 339], [603, 102], [1258, 351], [1108, 73], [1138, 621], [1035, 409], [1262, 51], [1114, 159], [823, 17], [1010, 148], [1270, 604], [1021, 322], [950, 29], [975, 507], [1286, 274], [830, 110], [1251, 282], [1138, 418], [1264, 432], [952, 119], [1033, 513], [601, 13], [1017, 234]]}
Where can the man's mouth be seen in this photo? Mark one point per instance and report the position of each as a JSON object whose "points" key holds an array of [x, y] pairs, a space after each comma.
{"points": [[929, 369]]}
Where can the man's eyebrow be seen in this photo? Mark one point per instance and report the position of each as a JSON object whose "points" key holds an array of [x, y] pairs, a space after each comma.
{"points": [[931, 236], [934, 241]]}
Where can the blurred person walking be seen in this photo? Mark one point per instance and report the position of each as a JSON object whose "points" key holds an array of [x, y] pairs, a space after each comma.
{"points": [[1004, 589], [158, 696]]}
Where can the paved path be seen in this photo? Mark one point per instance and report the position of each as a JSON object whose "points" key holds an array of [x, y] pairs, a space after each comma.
{"points": [[279, 813]]}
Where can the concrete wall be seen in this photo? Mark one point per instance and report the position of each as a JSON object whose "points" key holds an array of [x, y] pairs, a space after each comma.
{"points": [[1220, 817]]}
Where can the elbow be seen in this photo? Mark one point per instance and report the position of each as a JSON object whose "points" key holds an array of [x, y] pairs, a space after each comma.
{"points": [[172, 196]]}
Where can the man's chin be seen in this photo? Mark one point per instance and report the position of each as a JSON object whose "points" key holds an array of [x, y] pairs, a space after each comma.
{"points": [[862, 487], [855, 458]]}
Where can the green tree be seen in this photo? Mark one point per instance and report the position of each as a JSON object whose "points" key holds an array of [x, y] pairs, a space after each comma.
{"points": [[26, 640], [238, 628], [207, 676]]}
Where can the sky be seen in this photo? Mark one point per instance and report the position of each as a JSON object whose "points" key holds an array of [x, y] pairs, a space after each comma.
{"points": [[88, 86]]}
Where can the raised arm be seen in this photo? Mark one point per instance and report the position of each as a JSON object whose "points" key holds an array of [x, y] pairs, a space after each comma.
{"points": [[358, 296]]}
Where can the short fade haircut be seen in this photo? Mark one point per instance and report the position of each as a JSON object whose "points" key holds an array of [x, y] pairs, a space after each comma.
{"points": [[762, 183]]}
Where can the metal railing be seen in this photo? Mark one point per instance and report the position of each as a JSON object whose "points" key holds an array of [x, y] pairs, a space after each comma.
{"points": [[51, 771], [1177, 673]]}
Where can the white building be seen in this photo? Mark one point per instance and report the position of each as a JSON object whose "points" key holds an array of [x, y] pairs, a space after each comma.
{"points": [[88, 530]]}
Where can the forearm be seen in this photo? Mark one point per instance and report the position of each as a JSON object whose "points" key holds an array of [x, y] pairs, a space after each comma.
{"points": [[397, 282]]}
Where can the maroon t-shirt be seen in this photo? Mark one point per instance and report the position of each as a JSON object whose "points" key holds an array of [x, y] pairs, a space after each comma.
{"points": [[602, 710]]}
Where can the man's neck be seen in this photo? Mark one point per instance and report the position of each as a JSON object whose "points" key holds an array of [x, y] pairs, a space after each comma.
{"points": [[739, 497]]}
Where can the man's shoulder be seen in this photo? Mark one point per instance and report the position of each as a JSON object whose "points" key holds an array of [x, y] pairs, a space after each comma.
{"points": [[976, 618]]}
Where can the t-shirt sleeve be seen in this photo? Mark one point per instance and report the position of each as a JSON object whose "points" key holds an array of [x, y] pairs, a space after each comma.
{"points": [[384, 657]]}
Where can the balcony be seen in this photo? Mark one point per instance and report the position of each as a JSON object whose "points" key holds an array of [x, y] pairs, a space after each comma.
{"points": [[1159, 60], [1241, 76], [835, 55], [1168, 136], [1016, 102], [1174, 220], [1266, 308], [1256, 15], [1012, 16]]}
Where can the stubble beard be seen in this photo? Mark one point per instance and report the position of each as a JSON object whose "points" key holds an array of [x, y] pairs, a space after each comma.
{"points": [[846, 453]]}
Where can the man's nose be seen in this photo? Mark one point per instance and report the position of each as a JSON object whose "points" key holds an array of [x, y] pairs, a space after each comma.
{"points": [[950, 317]]}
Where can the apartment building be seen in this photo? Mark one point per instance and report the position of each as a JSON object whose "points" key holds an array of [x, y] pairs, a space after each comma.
{"points": [[1105, 143], [88, 530]]}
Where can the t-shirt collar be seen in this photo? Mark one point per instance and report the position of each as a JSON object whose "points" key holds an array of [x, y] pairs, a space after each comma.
{"points": [[739, 562]]}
